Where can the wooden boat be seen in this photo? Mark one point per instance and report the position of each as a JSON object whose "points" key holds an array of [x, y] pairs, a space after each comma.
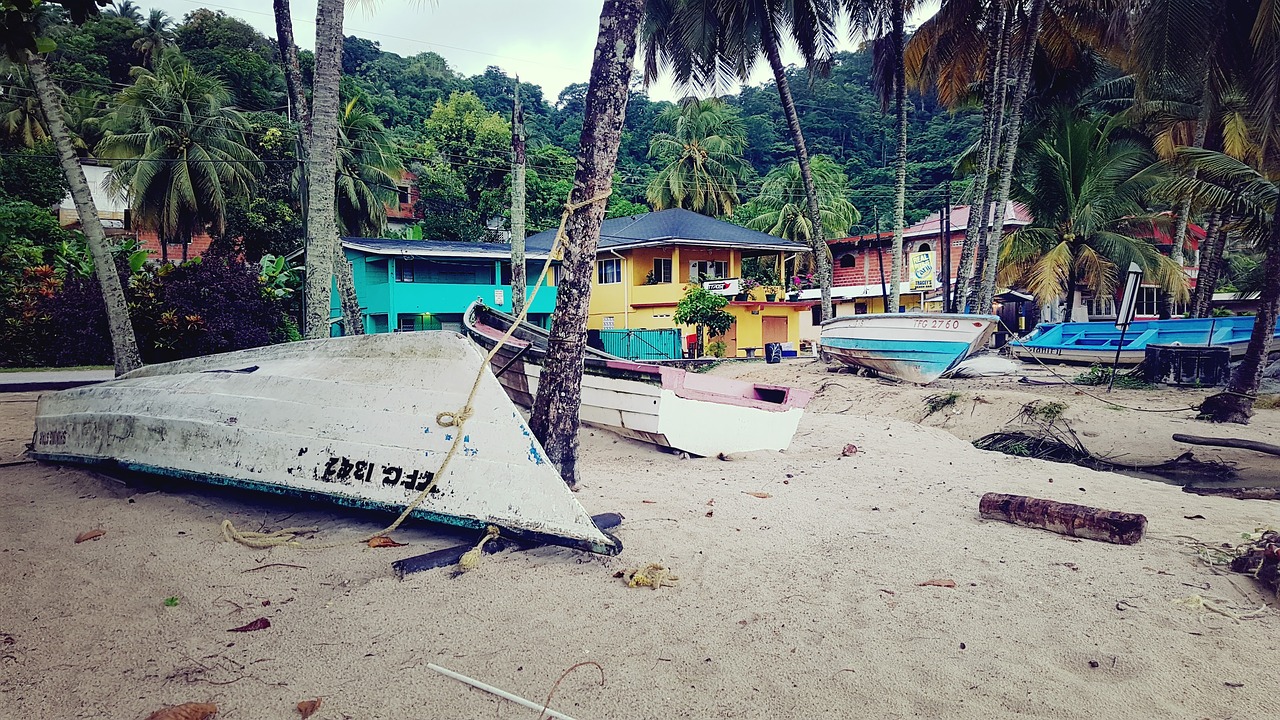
{"points": [[914, 347], [665, 406], [351, 420], [1095, 342]]}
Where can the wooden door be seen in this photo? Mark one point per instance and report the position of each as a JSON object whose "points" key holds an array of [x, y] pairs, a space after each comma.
{"points": [[775, 329], [730, 340]]}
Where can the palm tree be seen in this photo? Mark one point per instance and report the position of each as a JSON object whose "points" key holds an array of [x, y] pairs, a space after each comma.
{"points": [[555, 418], [1085, 189], [123, 343], [702, 156], [126, 9], [292, 70], [178, 151], [85, 115], [157, 35], [322, 168], [20, 116], [782, 197], [368, 170], [705, 42]]}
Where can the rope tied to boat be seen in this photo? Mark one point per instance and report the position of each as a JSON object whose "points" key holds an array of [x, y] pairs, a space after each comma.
{"points": [[471, 558], [456, 418]]}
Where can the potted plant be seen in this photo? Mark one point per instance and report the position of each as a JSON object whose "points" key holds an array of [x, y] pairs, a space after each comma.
{"points": [[745, 286]]}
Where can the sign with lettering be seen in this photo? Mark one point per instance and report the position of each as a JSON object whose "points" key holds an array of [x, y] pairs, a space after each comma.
{"points": [[730, 286], [921, 265], [499, 297]]}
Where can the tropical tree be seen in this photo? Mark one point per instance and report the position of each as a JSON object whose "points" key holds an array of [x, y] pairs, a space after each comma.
{"points": [[157, 35], [701, 153], [85, 112], [1085, 188], [123, 342], [368, 170], [178, 151], [322, 169], [127, 9], [555, 418], [704, 310], [705, 42], [784, 203], [20, 118]]}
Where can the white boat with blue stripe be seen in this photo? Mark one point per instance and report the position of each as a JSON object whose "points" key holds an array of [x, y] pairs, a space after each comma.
{"points": [[913, 347]]}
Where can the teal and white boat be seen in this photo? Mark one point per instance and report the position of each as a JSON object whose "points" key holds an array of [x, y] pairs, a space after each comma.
{"points": [[914, 347], [1096, 342]]}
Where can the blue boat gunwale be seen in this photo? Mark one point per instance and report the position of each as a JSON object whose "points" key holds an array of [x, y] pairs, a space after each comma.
{"points": [[1103, 335], [912, 315], [531, 536]]}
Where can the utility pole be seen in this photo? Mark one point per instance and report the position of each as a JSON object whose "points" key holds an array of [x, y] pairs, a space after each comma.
{"points": [[517, 205], [948, 304]]}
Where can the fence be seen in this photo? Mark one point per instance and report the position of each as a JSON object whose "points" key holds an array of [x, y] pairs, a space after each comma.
{"points": [[642, 344]]}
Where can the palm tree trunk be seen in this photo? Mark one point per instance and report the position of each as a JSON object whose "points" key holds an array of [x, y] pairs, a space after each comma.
{"points": [[1210, 270], [164, 249], [900, 166], [1071, 289], [124, 345], [1199, 300], [818, 241], [1236, 404], [1183, 212], [292, 71], [322, 168], [978, 226], [352, 318], [987, 294], [555, 409], [517, 206]]}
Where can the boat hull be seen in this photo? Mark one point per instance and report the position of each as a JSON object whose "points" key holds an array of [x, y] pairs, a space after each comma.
{"points": [[664, 406], [349, 420], [1096, 342], [913, 347]]}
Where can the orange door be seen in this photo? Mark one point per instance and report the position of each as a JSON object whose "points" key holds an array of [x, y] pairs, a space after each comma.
{"points": [[775, 329]]}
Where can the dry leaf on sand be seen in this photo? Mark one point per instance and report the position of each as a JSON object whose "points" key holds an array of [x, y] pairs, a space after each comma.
{"points": [[308, 708], [90, 535], [759, 494], [384, 541], [185, 711], [941, 582], [259, 624]]}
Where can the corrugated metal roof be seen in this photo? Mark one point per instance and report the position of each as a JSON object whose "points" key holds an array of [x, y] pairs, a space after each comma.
{"points": [[679, 226], [441, 248]]}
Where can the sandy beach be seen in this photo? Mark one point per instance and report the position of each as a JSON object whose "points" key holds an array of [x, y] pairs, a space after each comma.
{"points": [[804, 603]]}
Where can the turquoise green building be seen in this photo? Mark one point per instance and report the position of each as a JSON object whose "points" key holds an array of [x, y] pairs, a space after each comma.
{"points": [[408, 285]]}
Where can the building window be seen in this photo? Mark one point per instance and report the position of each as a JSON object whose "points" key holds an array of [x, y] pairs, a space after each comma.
{"points": [[1149, 303], [413, 322], [848, 260], [708, 270], [608, 272], [816, 313], [924, 247], [608, 322], [661, 270], [444, 271], [403, 194]]}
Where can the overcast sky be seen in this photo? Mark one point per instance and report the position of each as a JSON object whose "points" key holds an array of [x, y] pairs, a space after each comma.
{"points": [[547, 42]]}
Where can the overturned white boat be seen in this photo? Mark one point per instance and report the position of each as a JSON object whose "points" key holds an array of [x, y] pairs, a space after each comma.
{"points": [[351, 420], [665, 406]]}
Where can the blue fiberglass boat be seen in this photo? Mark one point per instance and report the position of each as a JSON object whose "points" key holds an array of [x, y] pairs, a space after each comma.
{"points": [[1096, 342], [915, 347]]}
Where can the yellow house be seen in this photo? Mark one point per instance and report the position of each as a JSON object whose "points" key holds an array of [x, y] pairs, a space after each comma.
{"points": [[645, 262]]}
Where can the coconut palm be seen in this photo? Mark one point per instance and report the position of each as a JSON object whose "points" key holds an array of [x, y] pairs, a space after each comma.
{"points": [[177, 150], [555, 417], [368, 170], [782, 197], [20, 116], [707, 42], [322, 168], [85, 113], [126, 9], [703, 158], [157, 35], [124, 344], [1085, 187]]}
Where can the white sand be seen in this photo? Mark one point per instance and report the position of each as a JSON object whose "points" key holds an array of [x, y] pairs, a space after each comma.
{"points": [[803, 604]]}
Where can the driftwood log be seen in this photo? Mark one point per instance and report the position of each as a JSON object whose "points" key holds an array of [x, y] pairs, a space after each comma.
{"points": [[1064, 518], [1254, 445], [1253, 493]]}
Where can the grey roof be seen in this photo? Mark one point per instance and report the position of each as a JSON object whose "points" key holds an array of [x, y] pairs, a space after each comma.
{"points": [[442, 248], [667, 227]]}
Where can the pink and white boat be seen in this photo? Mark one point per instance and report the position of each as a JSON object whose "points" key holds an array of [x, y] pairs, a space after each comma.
{"points": [[665, 406]]}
